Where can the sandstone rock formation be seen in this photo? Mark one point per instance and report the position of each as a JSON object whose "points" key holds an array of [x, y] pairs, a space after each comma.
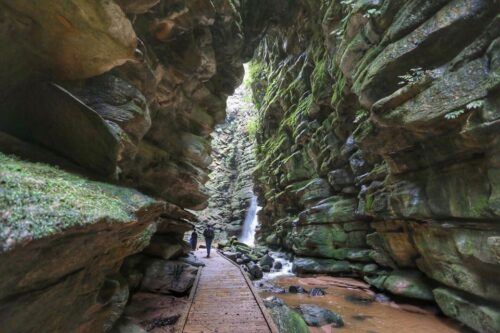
{"points": [[125, 92], [63, 240], [378, 147]]}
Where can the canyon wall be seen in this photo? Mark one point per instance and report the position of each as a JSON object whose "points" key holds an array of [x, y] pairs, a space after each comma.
{"points": [[123, 95], [378, 147]]}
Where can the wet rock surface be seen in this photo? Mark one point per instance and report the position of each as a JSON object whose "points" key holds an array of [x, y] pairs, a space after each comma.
{"points": [[285, 318], [317, 316]]}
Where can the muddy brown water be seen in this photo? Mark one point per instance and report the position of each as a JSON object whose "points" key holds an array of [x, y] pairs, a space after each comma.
{"points": [[360, 310]]}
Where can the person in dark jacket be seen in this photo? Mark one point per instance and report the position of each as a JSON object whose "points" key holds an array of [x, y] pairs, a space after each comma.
{"points": [[194, 240], [209, 235]]}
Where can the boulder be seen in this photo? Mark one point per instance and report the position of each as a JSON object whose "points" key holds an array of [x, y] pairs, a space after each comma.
{"points": [[230, 255], [317, 292], [255, 271], [266, 260], [287, 320], [245, 258], [167, 247], [297, 290], [161, 276], [192, 260], [316, 316]]}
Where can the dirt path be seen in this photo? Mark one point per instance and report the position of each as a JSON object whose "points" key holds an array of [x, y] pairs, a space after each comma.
{"points": [[225, 302]]}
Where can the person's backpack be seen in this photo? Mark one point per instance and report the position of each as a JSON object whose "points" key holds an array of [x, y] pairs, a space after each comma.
{"points": [[209, 233]]}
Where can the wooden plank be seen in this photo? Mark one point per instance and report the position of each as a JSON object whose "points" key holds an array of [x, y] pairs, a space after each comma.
{"points": [[267, 316]]}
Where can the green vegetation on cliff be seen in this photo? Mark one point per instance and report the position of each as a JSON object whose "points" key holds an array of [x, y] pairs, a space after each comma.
{"points": [[38, 200], [391, 106]]}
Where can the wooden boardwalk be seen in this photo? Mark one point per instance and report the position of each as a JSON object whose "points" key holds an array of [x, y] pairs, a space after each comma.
{"points": [[225, 302]]}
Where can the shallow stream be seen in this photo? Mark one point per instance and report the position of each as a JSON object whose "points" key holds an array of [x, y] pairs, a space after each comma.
{"points": [[362, 310]]}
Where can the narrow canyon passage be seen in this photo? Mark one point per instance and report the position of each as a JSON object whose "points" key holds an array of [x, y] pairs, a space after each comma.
{"points": [[230, 186], [344, 154]]}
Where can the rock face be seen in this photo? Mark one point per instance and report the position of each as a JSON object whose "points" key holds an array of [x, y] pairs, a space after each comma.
{"points": [[230, 185], [126, 92], [377, 146], [63, 241], [168, 276], [149, 118]]}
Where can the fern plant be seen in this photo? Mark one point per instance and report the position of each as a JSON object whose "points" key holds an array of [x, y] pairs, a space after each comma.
{"points": [[412, 76]]}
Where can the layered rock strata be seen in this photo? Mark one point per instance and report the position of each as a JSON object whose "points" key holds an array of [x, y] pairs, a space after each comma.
{"points": [[378, 147], [125, 92], [63, 241], [148, 119]]}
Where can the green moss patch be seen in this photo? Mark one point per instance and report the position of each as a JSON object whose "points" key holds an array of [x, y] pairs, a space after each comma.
{"points": [[38, 200]]}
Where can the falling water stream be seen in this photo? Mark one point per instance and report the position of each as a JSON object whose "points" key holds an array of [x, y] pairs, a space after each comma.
{"points": [[248, 237], [250, 224]]}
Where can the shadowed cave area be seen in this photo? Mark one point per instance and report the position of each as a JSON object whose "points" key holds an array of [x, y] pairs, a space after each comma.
{"points": [[345, 153]]}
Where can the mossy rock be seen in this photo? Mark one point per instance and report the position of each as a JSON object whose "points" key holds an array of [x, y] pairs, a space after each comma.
{"points": [[320, 266], [483, 317], [408, 284], [287, 320], [318, 240], [37, 200], [335, 209]]}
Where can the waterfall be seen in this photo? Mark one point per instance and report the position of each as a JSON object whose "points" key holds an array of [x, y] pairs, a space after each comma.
{"points": [[251, 221]]}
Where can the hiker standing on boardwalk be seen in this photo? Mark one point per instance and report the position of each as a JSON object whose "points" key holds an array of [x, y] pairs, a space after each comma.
{"points": [[209, 235], [193, 240]]}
